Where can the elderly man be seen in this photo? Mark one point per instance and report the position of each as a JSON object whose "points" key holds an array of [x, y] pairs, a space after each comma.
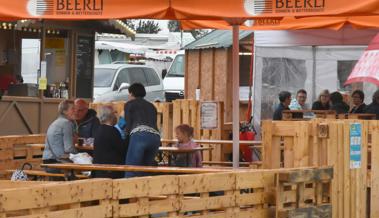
{"points": [[86, 120]]}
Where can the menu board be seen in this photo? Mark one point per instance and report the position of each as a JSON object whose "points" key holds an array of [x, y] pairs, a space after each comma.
{"points": [[209, 115], [84, 66]]}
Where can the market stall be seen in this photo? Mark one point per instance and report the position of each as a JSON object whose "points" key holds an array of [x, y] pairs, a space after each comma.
{"points": [[43, 62]]}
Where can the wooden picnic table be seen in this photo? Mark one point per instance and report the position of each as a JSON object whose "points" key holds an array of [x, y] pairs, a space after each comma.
{"points": [[130, 168]]}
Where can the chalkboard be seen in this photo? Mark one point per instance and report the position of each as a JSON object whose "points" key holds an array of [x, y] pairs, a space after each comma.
{"points": [[84, 66]]}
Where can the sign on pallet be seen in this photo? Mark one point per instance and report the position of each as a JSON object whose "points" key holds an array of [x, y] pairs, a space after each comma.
{"points": [[355, 145], [209, 115]]}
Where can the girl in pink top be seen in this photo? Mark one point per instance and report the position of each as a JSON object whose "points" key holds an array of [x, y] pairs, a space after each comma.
{"points": [[184, 134]]}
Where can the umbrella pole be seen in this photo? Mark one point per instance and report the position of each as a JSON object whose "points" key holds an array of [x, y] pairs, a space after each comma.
{"points": [[235, 99]]}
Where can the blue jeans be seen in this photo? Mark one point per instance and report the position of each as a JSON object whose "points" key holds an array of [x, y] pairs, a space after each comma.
{"points": [[143, 147]]}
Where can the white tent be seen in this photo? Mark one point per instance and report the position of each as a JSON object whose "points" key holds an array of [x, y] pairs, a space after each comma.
{"points": [[309, 59]]}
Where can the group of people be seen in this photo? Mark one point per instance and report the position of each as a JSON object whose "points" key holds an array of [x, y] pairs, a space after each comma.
{"points": [[133, 139], [327, 101]]}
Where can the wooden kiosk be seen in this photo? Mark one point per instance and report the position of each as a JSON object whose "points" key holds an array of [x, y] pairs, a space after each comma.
{"points": [[72, 44]]}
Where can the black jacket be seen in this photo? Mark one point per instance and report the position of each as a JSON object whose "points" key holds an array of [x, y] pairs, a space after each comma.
{"points": [[318, 106], [87, 128], [140, 112], [359, 110], [109, 149], [373, 108], [278, 114], [340, 108]]}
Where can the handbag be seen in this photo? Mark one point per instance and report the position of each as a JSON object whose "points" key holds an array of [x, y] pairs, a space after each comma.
{"points": [[19, 174]]}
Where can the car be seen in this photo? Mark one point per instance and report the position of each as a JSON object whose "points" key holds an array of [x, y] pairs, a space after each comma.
{"points": [[112, 81], [173, 81]]}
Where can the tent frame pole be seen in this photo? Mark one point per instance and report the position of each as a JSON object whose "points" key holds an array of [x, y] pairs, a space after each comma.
{"points": [[235, 99]]}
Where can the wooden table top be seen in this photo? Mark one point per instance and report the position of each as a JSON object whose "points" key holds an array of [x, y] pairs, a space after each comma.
{"points": [[130, 168], [182, 150], [222, 142]]}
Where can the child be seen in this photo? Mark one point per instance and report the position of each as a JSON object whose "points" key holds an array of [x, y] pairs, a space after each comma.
{"points": [[184, 134]]}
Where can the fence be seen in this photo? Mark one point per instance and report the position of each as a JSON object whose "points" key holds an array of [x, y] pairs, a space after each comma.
{"points": [[327, 143], [14, 151], [236, 194]]}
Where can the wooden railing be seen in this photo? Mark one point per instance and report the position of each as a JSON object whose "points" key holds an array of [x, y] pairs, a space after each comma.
{"points": [[258, 194], [320, 143]]}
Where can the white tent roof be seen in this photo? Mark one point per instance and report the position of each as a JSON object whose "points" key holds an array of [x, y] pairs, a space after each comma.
{"points": [[318, 37]]}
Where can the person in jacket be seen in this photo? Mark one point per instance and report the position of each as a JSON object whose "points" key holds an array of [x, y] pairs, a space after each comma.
{"points": [[358, 101], [86, 120], [285, 100], [373, 108], [109, 148], [337, 104], [323, 102], [184, 134], [141, 126], [60, 136]]}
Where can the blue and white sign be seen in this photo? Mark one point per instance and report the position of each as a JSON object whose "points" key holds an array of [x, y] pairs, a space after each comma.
{"points": [[355, 145]]}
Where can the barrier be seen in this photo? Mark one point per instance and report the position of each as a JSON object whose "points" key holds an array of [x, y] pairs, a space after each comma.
{"points": [[14, 151], [235, 194], [320, 143]]}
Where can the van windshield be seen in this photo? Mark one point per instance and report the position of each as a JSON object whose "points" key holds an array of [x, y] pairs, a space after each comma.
{"points": [[177, 67], [104, 77]]}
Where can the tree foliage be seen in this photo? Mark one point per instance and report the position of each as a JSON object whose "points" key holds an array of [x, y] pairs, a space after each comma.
{"points": [[143, 26]]}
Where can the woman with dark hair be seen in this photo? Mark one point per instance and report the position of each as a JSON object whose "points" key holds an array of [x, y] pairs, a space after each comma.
{"points": [[358, 100], [337, 103], [141, 126], [373, 108], [323, 102]]}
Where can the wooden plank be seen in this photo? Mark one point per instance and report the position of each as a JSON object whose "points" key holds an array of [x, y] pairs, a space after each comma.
{"points": [[332, 150], [347, 187], [375, 170], [288, 152]]}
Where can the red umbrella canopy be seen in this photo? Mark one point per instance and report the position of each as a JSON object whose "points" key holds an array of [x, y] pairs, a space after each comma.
{"points": [[367, 68]]}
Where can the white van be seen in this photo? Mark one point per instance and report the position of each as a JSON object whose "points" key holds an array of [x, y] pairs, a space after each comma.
{"points": [[173, 82]]}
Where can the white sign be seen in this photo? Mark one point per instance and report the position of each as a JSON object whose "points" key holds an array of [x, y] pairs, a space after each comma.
{"points": [[43, 69], [209, 115]]}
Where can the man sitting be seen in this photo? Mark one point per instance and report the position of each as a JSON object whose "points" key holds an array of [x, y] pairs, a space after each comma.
{"points": [[285, 100], [86, 120]]}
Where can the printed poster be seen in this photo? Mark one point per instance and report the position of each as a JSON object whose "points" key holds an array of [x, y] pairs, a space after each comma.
{"points": [[355, 146]]}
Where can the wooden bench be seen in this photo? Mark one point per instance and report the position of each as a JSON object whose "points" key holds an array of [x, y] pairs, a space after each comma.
{"points": [[227, 163], [129, 168], [40, 175]]}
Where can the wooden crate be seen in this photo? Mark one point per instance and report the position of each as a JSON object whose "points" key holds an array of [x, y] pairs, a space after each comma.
{"points": [[14, 152], [305, 193], [89, 198]]}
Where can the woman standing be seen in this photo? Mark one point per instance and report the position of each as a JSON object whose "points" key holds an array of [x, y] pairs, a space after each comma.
{"points": [[108, 144], [141, 125], [323, 102]]}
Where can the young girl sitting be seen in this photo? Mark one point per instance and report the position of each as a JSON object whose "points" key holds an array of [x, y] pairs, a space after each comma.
{"points": [[184, 134]]}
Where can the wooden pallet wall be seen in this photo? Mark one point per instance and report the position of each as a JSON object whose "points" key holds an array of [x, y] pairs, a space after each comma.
{"points": [[14, 152], [320, 143], [235, 194]]}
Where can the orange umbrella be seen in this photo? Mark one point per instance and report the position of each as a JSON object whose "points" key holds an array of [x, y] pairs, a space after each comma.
{"points": [[289, 23], [182, 9]]}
